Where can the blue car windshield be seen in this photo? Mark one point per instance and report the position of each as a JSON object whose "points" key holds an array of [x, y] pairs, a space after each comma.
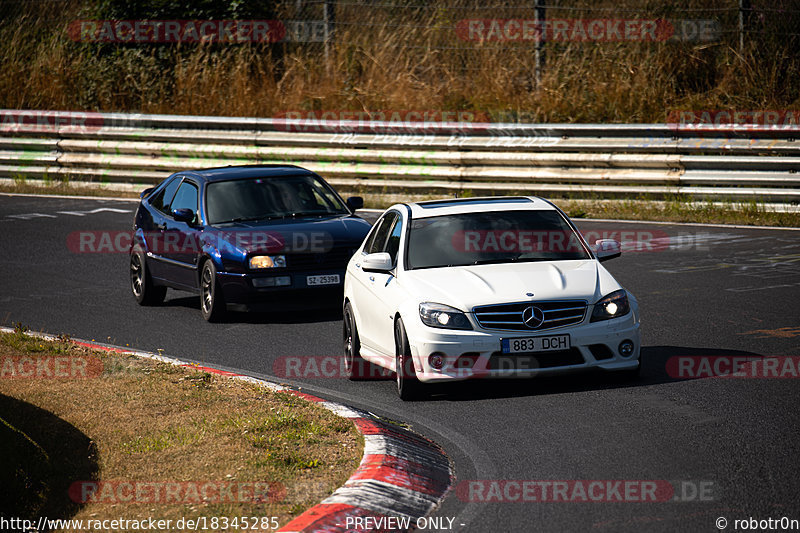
{"points": [[269, 198], [492, 237]]}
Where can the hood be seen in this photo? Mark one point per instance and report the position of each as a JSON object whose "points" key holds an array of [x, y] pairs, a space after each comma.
{"points": [[294, 235], [465, 287]]}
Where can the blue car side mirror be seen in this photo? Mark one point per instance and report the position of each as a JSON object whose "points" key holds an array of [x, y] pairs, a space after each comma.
{"points": [[183, 214], [355, 202]]}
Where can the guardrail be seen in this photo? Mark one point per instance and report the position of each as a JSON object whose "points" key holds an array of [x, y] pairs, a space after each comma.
{"points": [[734, 163]]}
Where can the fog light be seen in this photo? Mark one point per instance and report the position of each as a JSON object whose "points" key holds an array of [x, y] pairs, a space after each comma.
{"points": [[626, 348], [276, 281], [436, 361]]}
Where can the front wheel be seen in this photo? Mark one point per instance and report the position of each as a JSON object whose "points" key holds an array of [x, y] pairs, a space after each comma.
{"points": [[212, 301], [142, 287], [354, 365], [408, 386]]}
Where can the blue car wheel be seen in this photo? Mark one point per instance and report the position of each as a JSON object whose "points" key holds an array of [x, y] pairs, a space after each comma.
{"points": [[212, 301], [141, 283]]}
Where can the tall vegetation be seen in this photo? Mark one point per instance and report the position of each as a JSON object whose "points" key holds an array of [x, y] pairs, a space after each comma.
{"points": [[403, 55]]}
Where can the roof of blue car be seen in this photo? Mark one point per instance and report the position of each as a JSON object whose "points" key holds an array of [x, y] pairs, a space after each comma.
{"points": [[248, 171]]}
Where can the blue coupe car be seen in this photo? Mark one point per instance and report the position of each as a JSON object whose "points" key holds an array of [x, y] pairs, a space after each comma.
{"points": [[243, 235]]}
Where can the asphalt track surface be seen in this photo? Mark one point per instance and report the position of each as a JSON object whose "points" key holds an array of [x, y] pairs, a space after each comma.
{"points": [[712, 292]]}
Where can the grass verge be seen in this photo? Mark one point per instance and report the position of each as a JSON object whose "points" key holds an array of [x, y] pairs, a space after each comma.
{"points": [[65, 188], [120, 418], [675, 209], [679, 210]]}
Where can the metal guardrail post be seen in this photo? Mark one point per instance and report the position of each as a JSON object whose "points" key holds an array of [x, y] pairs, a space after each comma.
{"points": [[541, 28], [745, 9], [329, 16]]}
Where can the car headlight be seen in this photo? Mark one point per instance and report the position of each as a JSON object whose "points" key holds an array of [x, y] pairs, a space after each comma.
{"points": [[443, 316], [267, 261], [612, 306]]}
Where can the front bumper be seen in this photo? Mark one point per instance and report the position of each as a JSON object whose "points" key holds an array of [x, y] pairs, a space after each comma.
{"points": [[478, 354], [243, 288]]}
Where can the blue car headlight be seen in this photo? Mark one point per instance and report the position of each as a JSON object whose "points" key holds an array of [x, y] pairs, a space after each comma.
{"points": [[443, 316], [258, 262], [612, 306]]}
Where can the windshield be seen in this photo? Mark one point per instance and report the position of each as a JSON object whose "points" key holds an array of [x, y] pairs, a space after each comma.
{"points": [[273, 197], [496, 237]]}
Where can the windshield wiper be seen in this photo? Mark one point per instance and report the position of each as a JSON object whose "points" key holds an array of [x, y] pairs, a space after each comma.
{"points": [[298, 214], [249, 219], [496, 261]]}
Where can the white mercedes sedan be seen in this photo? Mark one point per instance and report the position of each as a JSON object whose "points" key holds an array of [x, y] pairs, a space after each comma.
{"points": [[484, 287]]}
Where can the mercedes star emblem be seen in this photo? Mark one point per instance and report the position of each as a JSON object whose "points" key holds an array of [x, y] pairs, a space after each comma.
{"points": [[533, 317]]}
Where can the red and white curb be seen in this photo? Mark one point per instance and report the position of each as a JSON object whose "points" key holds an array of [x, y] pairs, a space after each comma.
{"points": [[402, 475]]}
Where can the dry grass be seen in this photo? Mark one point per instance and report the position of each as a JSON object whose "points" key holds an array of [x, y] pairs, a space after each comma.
{"points": [[146, 421], [402, 60]]}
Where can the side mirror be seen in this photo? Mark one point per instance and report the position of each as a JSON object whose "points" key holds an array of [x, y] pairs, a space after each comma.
{"points": [[380, 262], [146, 192], [183, 214], [606, 249], [355, 202]]}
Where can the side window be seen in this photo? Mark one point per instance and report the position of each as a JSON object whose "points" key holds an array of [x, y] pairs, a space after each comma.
{"points": [[186, 197], [327, 197], [393, 244], [377, 239], [163, 198]]}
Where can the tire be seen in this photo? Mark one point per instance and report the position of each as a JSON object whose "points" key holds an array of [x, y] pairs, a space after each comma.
{"points": [[408, 386], [355, 367], [142, 287], [212, 301]]}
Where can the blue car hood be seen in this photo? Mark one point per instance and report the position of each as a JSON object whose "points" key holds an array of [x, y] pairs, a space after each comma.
{"points": [[302, 235]]}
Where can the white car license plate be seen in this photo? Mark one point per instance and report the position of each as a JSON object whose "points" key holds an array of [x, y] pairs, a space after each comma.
{"points": [[547, 343], [330, 279]]}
